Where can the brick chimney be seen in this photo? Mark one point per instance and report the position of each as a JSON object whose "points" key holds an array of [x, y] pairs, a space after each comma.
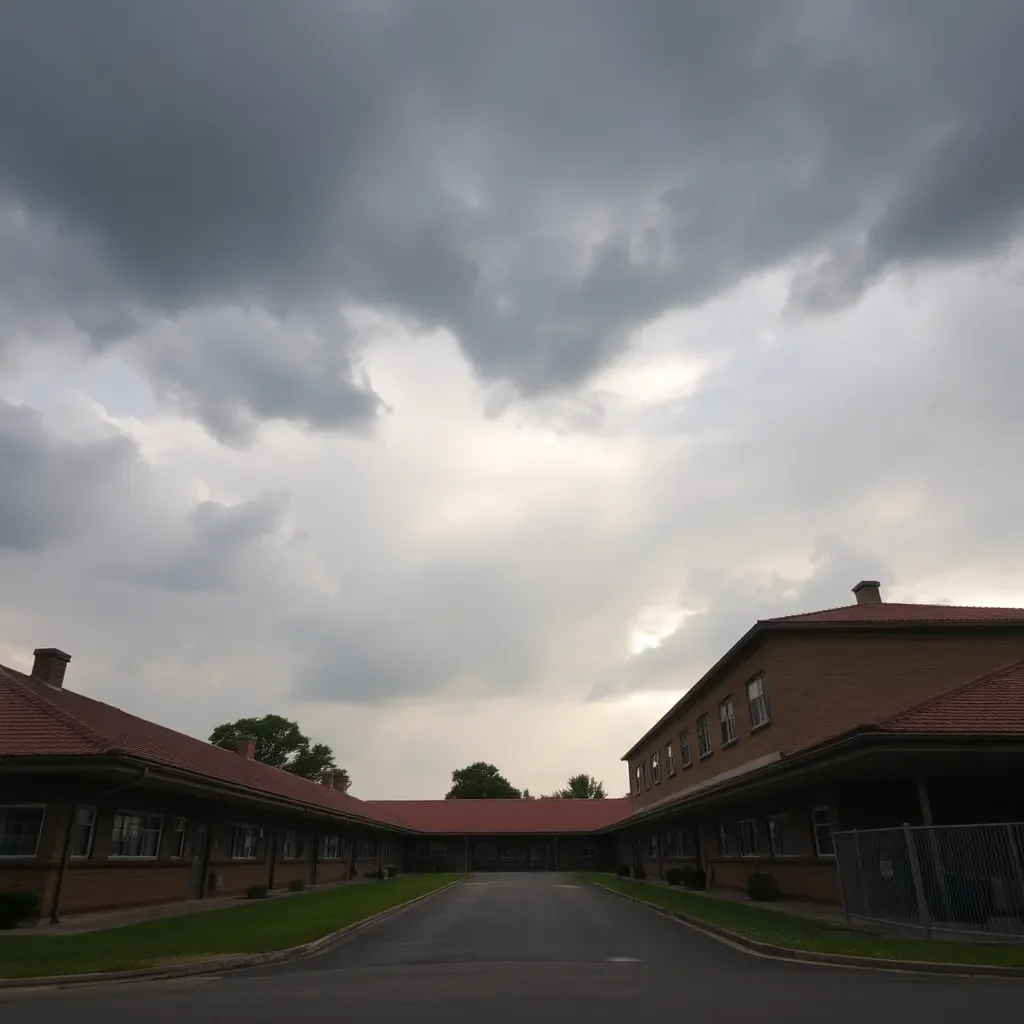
{"points": [[50, 665], [867, 592], [246, 746]]}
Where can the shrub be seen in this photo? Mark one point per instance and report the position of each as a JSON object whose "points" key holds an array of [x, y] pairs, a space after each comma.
{"points": [[622, 871], [639, 872], [674, 876], [694, 877], [297, 885], [392, 871], [761, 885], [17, 906], [256, 892]]}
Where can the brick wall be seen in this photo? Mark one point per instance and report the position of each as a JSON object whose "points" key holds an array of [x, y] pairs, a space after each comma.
{"points": [[819, 686]]}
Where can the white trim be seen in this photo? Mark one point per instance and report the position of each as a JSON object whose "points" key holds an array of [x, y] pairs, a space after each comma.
{"points": [[756, 852], [831, 832], [92, 830], [184, 833], [39, 834], [140, 814]]}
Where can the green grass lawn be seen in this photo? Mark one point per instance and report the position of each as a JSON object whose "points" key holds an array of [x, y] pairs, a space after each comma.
{"points": [[251, 927], [792, 932]]}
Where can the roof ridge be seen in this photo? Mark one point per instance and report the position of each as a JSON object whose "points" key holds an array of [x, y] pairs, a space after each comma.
{"points": [[896, 604], [958, 688], [85, 732]]}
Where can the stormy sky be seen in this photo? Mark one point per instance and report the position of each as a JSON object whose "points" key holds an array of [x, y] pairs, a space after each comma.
{"points": [[462, 378]]}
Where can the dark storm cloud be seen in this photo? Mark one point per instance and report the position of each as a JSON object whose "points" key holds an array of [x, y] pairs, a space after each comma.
{"points": [[49, 488], [539, 177]]}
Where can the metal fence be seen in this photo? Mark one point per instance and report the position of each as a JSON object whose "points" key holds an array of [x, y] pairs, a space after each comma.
{"points": [[962, 878]]}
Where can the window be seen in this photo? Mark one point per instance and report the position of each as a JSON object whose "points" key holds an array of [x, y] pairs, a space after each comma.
{"points": [[670, 759], [703, 736], [656, 767], [82, 831], [671, 844], [652, 847], [387, 851], [439, 849], [330, 847], [367, 851], [244, 840], [177, 838], [586, 848], [290, 848], [724, 845], [824, 844], [136, 834], [757, 695], [780, 835], [20, 828], [687, 844], [746, 837], [727, 716], [684, 749], [638, 779]]}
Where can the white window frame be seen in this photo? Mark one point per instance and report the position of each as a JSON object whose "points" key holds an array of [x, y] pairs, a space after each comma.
{"points": [[815, 828], [39, 834], [670, 759], [124, 812], [91, 833], [366, 850], [724, 846], [330, 847], [748, 845], [685, 755], [179, 827], [656, 767], [727, 720], [291, 848], [703, 736], [587, 849], [757, 701], [242, 834], [652, 847], [638, 780]]}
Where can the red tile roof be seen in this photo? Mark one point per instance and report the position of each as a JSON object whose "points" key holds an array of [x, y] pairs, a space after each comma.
{"points": [[993, 703], [945, 614], [507, 817], [40, 720]]}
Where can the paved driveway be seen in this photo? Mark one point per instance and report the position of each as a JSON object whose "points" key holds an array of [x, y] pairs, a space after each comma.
{"points": [[535, 948]]}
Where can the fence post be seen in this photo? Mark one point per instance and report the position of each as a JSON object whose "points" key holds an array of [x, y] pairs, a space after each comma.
{"points": [[923, 916]]}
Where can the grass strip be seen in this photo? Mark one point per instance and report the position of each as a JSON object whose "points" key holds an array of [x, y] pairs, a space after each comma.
{"points": [[251, 927], [777, 928]]}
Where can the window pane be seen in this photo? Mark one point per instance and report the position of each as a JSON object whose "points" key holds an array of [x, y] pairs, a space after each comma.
{"points": [[19, 831]]}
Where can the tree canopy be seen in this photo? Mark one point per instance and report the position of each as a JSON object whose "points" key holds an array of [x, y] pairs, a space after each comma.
{"points": [[280, 742], [583, 787], [481, 781]]}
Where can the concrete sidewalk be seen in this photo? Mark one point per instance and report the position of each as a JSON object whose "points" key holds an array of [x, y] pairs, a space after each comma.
{"points": [[77, 924]]}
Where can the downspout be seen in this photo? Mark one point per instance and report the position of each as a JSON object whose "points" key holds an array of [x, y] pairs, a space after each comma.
{"points": [[66, 854], [272, 841]]}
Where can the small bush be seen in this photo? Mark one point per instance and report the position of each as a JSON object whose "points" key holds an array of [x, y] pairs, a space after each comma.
{"points": [[392, 871], [674, 876], [694, 878], [622, 871], [761, 885], [639, 872], [17, 906], [256, 892], [297, 885]]}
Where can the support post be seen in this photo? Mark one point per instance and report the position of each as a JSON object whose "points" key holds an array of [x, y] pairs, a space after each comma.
{"points": [[65, 859], [923, 916]]}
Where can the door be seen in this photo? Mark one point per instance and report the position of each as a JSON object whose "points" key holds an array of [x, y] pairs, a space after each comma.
{"points": [[198, 866]]}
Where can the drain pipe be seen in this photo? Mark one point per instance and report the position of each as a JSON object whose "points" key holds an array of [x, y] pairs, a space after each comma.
{"points": [[66, 854]]}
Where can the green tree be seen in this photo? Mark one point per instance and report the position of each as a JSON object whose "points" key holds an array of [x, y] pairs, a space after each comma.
{"points": [[481, 781], [281, 743], [583, 787]]}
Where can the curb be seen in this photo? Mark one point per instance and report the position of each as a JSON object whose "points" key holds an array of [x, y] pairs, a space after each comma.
{"points": [[226, 962], [822, 959]]}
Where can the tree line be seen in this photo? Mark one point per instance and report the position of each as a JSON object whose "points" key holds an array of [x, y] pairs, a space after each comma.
{"points": [[280, 742]]}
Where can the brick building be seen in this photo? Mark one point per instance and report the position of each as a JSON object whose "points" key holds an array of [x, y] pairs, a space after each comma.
{"points": [[865, 716]]}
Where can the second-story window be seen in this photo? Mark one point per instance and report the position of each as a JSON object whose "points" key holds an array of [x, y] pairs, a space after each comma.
{"points": [[684, 749], [656, 767], [638, 779], [670, 759], [757, 696], [727, 716], [703, 736]]}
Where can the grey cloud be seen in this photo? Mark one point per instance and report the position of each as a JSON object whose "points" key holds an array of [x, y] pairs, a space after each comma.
{"points": [[538, 177], [215, 554], [51, 488]]}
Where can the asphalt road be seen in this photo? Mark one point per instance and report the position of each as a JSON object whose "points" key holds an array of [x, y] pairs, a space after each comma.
{"points": [[537, 948]]}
